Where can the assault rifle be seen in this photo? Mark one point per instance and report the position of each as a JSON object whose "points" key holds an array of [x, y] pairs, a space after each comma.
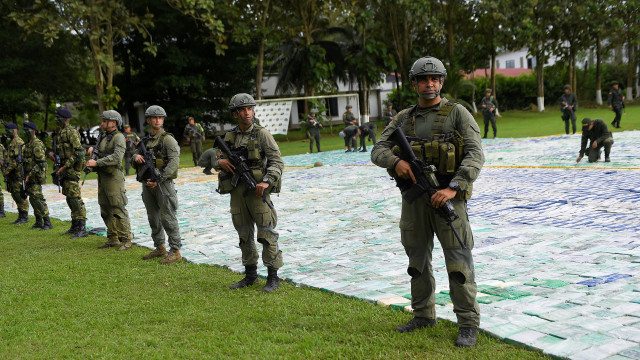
{"points": [[424, 184], [94, 156], [148, 171], [23, 187], [242, 171], [57, 164]]}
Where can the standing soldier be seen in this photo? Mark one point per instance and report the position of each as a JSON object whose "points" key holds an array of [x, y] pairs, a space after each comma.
{"points": [[195, 136], [389, 114], [72, 159], [112, 196], [313, 127], [437, 123], [132, 140], [616, 103], [158, 190], [569, 103], [253, 209], [13, 174], [2, 165], [35, 171], [489, 106], [598, 135], [351, 130]]}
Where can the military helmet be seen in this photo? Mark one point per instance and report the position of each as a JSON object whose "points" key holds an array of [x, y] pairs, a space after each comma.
{"points": [[488, 91], [127, 126], [313, 111], [427, 65], [112, 115], [189, 118], [615, 82], [155, 111], [348, 107], [567, 87], [317, 164], [241, 100]]}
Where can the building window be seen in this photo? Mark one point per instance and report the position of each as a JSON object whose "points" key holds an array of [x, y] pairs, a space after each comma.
{"points": [[510, 64], [529, 63], [521, 62]]}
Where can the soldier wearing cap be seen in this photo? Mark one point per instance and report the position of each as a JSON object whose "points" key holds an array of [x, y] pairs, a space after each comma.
{"points": [[112, 196], [159, 196], [569, 107], [313, 128], [194, 133], [489, 106], [598, 135], [253, 209], [616, 103], [12, 173], [351, 130], [389, 114], [132, 140], [35, 171], [72, 157], [436, 123]]}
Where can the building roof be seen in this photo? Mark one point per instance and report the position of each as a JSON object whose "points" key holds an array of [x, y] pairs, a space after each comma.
{"points": [[512, 72]]}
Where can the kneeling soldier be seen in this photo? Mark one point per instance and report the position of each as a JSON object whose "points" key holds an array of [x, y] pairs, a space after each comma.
{"points": [[35, 171]]}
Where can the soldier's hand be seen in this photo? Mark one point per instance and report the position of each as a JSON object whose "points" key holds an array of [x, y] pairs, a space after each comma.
{"points": [[442, 196], [203, 139], [610, 107], [26, 180], [227, 166], [188, 140], [595, 144], [260, 188], [92, 163], [139, 159], [51, 156], [570, 107], [151, 184], [578, 159], [403, 169], [90, 151], [490, 109], [61, 170]]}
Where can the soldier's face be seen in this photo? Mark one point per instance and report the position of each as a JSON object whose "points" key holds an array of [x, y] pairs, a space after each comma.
{"points": [[192, 121], [567, 91], [244, 114], [103, 124], [615, 86], [127, 130], [427, 84], [155, 122]]}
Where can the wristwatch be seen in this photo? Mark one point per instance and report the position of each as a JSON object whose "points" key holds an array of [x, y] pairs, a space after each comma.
{"points": [[266, 180], [454, 186]]}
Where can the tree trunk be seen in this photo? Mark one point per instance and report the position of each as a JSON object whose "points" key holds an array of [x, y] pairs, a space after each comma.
{"points": [[260, 67], [540, 79], [493, 74], [598, 72], [94, 45], [630, 70]]}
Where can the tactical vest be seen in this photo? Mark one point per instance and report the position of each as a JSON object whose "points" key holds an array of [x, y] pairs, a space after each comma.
{"points": [[255, 156], [161, 156], [106, 151], [443, 150], [66, 149], [29, 162]]}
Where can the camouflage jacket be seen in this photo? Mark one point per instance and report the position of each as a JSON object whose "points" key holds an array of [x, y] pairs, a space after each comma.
{"points": [[35, 161], [131, 140], [70, 149], [13, 151], [194, 132], [348, 117]]}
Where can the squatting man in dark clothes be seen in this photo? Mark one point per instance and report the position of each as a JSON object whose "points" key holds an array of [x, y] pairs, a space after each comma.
{"points": [[599, 136]]}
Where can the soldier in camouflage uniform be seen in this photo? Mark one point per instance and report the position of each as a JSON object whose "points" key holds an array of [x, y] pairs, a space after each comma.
{"points": [[351, 130], [389, 114], [313, 129], [35, 171], [112, 196], [72, 157], [194, 133], [160, 197], [616, 103], [12, 173], [489, 106], [2, 160], [437, 123], [254, 209], [132, 140]]}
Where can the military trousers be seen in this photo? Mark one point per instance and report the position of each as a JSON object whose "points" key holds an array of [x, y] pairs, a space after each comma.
{"points": [[38, 202], [618, 110], [489, 118], [70, 184], [569, 115], [594, 154], [112, 198], [196, 150], [14, 188], [418, 224], [127, 162], [314, 136], [161, 212], [350, 136], [250, 211]]}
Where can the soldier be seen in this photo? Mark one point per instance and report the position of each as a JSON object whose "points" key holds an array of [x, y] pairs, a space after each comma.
{"points": [[253, 209], [13, 175], [2, 164], [389, 115], [72, 159], [208, 160], [616, 103], [159, 195], [433, 122], [351, 130], [195, 136], [598, 134], [313, 128], [112, 196], [489, 106], [367, 129], [569, 103], [35, 171], [132, 140]]}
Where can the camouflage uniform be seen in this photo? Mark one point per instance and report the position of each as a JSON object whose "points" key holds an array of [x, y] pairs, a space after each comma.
{"points": [[112, 196], [161, 209], [14, 179], [131, 140], [489, 115], [313, 129], [350, 130], [2, 160], [72, 156], [195, 133], [35, 167]]}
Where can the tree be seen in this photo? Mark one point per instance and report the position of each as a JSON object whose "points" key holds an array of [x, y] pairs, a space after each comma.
{"points": [[101, 23]]}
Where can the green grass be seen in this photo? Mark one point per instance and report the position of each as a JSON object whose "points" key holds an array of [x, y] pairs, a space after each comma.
{"points": [[64, 298]]}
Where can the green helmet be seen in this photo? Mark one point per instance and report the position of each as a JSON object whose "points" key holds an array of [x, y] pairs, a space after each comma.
{"points": [[241, 100], [313, 111], [112, 115], [154, 111], [427, 65], [348, 107]]}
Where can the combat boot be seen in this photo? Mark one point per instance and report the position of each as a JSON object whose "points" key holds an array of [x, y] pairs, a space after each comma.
{"points": [[159, 251], [46, 224], [207, 171], [607, 159], [467, 336], [38, 223], [173, 256], [81, 229], [23, 218], [250, 278], [416, 323], [72, 229], [109, 243], [126, 245], [273, 282], [2, 214]]}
